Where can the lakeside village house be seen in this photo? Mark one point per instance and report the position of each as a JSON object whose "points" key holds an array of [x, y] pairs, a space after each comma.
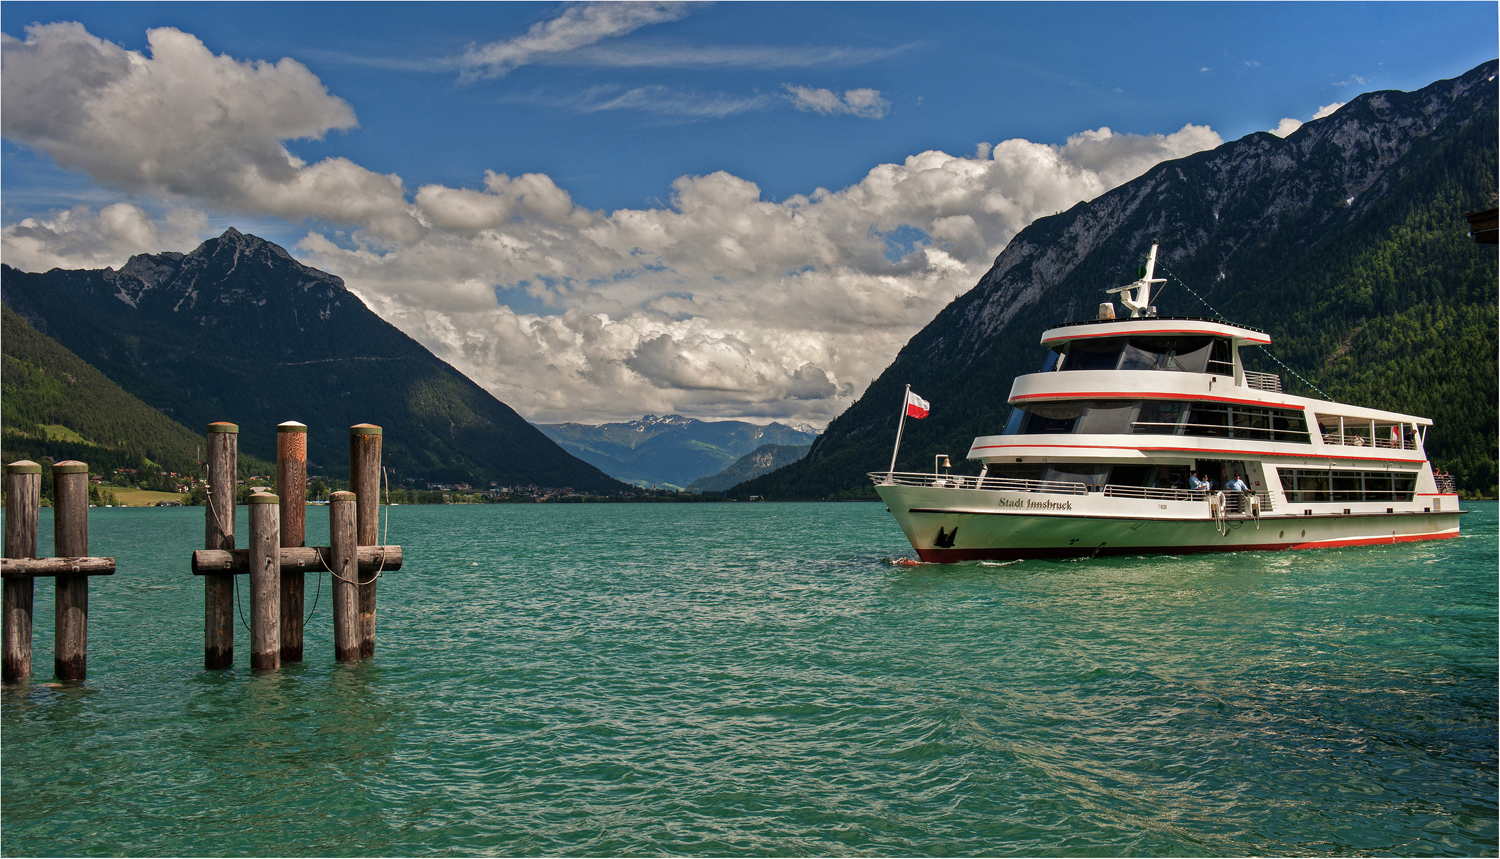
{"points": [[182, 488], [497, 491]]}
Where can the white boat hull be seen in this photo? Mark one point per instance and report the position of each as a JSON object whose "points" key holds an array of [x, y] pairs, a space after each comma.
{"points": [[947, 524]]}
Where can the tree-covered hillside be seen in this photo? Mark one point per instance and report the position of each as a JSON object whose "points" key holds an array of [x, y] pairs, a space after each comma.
{"points": [[55, 406]]}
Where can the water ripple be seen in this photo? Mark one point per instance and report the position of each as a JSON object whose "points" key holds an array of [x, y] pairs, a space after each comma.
{"points": [[743, 680]]}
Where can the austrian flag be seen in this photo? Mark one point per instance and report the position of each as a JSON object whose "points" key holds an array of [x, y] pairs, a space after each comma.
{"points": [[916, 407]]}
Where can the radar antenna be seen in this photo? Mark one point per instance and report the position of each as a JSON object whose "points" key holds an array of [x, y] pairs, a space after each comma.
{"points": [[1137, 296]]}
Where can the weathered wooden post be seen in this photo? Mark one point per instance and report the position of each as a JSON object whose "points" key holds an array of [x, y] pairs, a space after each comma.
{"points": [[218, 589], [291, 487], [70, 508], [265, 582], [343, 562], [23, 497], [364, 479]]}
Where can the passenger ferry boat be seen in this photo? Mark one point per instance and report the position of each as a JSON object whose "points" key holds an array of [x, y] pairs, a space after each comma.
{"points": [[1100, 447]]}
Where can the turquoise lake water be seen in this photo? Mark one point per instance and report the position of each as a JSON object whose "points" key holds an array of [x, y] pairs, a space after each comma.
{"points": [[762, 679]]}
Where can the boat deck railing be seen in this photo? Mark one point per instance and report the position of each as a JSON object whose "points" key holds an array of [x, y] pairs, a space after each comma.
{"points": [[1234, 502], [1269, 382], [959, 481], [1353, 440]]}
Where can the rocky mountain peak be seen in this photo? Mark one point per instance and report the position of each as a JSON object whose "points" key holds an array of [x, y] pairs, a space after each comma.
{"points": [[232, 269]]}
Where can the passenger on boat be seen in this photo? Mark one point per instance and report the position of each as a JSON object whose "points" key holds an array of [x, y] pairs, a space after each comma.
{"points": [[1195, 483]]}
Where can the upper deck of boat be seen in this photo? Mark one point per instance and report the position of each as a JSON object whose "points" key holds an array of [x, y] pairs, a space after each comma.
{"points": [[1153, 326]]}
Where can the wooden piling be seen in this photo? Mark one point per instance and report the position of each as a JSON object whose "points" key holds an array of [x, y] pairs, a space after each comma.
{"points": [[265, 582], [342, 537], [364, 479], [218, 590], [70, 506], [23, 498], [291, 487]]}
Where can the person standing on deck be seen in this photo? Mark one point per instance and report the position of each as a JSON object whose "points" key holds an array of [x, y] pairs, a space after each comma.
{"points": [[1238, 485]]}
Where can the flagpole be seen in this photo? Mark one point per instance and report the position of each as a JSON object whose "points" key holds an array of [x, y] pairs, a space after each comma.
{"points": [[905, 398]]}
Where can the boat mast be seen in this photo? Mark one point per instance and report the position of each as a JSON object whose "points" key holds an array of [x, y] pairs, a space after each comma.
{"points": [[1137, 296]]}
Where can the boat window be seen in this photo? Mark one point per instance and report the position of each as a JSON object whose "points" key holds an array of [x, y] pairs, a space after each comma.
{"points": [[1018, 470], [1158, 418], [1191, 355], [1288, 425], [1052, 418], [1222, 420], [1050, 363], [1208, 419], [1147, 353], [1131, 475], [1078, 472], [1221, 359], [1109, 417], [1308, 485], [1013, 423], [1101, 354]]}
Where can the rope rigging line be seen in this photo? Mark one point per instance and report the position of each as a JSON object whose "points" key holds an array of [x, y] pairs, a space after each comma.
{"points": [[1265, 351], [236, 580], [1200, 298], [306, 620]]}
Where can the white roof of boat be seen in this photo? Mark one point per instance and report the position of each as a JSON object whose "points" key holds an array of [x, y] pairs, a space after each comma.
{"points": [[1154, 326]]}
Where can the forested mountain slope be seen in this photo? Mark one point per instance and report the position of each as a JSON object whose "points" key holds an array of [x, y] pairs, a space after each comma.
{"points": [[1346, 241], [55, 405]]}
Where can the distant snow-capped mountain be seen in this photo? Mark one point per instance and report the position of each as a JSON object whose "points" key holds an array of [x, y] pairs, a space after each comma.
{"points": [[670, 450]]}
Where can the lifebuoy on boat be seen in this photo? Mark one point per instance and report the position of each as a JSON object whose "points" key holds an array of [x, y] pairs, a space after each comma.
{"points": [[1216, 512]]}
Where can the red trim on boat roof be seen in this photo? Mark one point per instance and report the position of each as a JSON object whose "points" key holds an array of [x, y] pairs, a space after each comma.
{"points": [[1261, 339]]}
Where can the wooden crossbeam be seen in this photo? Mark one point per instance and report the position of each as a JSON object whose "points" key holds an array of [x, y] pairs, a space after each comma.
{"points": [[304, 559], [40, 568]]}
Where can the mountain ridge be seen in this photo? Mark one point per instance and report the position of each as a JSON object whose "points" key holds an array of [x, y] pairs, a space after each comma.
{"points": [[669, 450], [762, 460], [238, 329]]}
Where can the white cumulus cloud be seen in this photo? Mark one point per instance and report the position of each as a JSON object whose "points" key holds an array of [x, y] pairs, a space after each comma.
{"points": [[81, 238], [184, 122], [718, 303]]}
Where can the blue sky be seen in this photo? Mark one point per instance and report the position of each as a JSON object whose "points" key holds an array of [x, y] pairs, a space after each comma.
{"points": [[602, 210]]}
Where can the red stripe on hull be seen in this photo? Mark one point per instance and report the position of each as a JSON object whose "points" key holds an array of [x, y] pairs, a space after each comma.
{"points": [[949, 556]]}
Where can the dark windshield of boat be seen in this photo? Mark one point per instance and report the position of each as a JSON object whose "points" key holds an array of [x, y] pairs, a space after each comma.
{"points": [[1185, 354], [1094, 354], [1191, 354], [1160, 417]]}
